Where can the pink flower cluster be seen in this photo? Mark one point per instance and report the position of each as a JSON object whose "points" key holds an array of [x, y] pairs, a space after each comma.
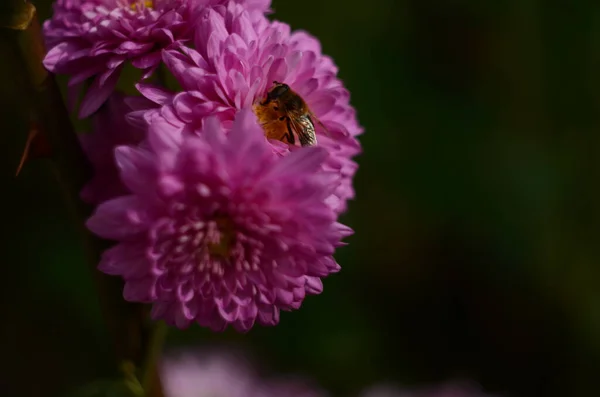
{"points": [[214, 223], [92, 40], [226, 374]]}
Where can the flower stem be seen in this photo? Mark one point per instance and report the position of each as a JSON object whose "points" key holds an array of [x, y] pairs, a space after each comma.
{"points": [[150, 378], [134, 336]]}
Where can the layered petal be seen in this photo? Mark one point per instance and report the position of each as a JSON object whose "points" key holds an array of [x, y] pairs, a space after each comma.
{"points": [[110, 129], [215, 229], [235, 58], [96, 38]]}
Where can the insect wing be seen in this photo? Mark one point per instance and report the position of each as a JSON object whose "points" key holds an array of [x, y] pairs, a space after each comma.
{"points": [[304, 129], [313, 117]]}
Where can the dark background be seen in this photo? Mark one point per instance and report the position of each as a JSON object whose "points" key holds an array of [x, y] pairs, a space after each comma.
{"points": [[476, 250]]}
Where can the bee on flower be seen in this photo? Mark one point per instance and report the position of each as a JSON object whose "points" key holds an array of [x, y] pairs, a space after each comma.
{"points": [[285, 116]]}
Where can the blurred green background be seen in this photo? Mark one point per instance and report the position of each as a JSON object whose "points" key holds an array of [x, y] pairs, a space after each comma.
{"points": [[477, 219]]}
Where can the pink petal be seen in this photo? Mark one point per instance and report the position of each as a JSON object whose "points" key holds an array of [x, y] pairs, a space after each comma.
{"points": [[137, 168], [140, 290], [112, 219], [162, 138], [127, 260], [306, 159], [98, 93], [155, 93]]}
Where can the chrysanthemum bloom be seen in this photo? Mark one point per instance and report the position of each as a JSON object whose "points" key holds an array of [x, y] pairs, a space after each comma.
{"points": [[109, 130], [201, 374], [94, 39], [235, 61], [220, 230]]}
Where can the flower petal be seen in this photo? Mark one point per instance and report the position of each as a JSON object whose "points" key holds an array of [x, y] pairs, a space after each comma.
{"points": [[121, 218]]}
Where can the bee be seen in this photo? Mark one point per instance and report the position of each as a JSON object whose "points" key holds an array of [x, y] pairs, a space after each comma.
{"points": [[138, 5], [285, 116]]}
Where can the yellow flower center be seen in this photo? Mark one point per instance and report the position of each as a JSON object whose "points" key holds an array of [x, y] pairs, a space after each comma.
{"points": [[223, 247]]}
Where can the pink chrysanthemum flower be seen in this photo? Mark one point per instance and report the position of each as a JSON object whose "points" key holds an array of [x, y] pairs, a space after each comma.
{"points": [[220, 230], [93, 39], [200, 374], [234, 63], [109, 130]]}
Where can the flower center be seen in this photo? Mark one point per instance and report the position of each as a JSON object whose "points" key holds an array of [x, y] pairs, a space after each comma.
{"points": [[224, 239], [212, 246]]}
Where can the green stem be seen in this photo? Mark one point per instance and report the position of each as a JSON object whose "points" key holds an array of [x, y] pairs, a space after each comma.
{"points": [[150, 378], [132, 333]]}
